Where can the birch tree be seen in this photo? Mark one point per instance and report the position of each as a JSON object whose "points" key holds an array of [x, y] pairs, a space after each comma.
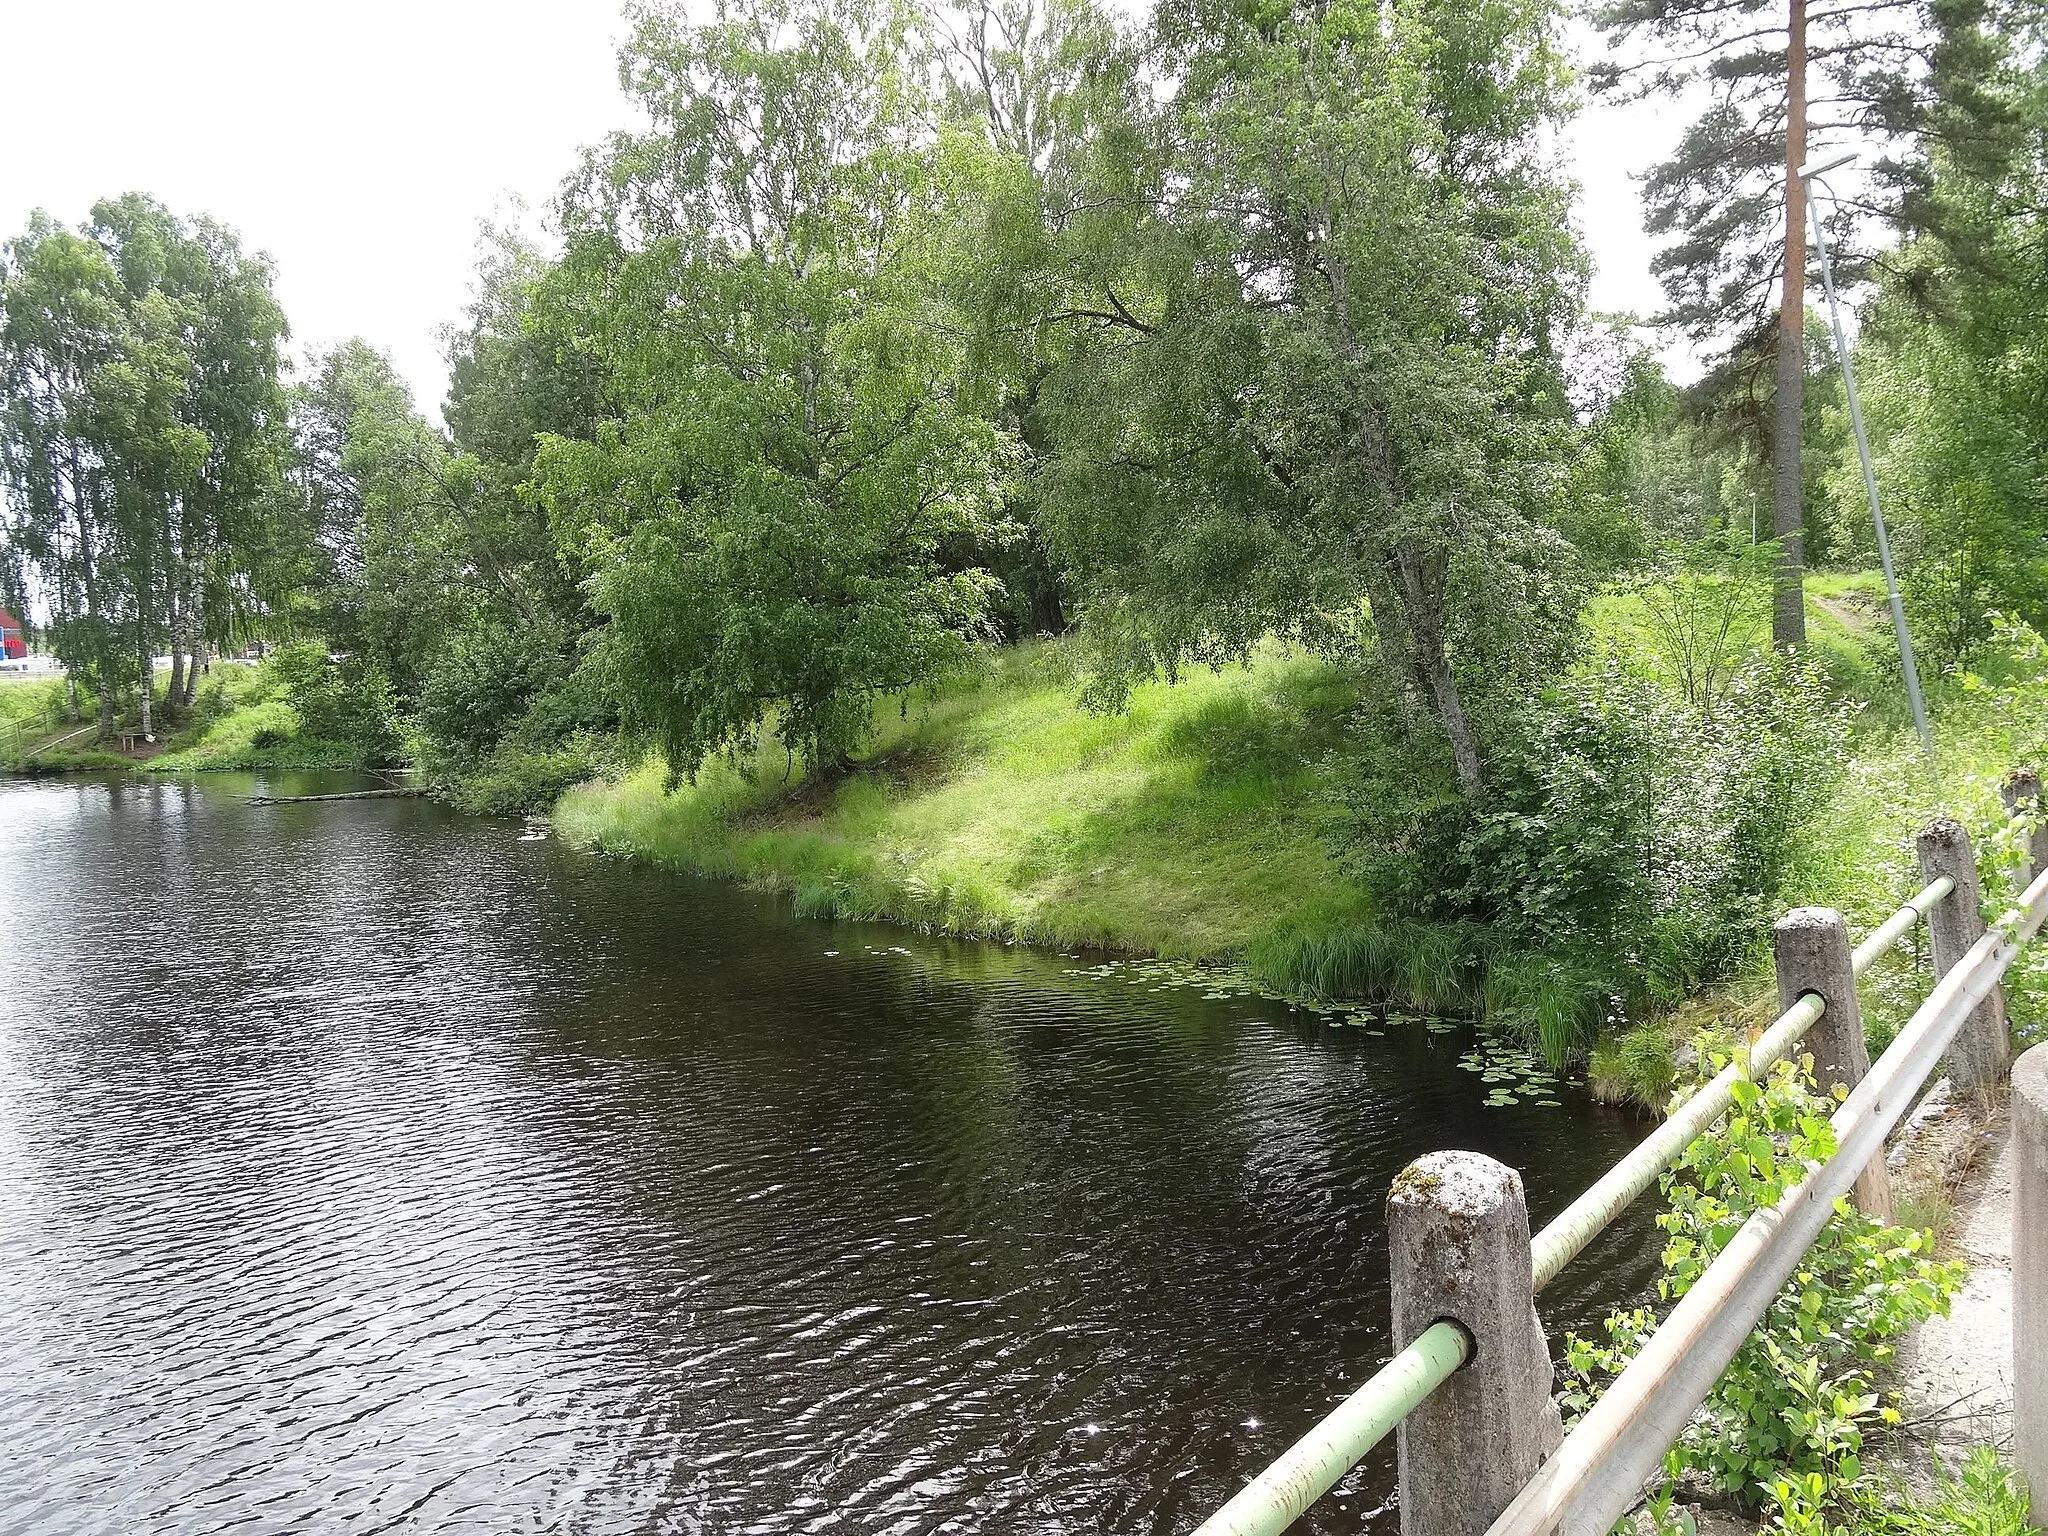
{"points": [[141, 436], [790, 429], [1307, 313]]}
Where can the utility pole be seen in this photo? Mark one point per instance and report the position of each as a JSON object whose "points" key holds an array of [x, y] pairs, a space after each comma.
{"points": [[1809, 173]]}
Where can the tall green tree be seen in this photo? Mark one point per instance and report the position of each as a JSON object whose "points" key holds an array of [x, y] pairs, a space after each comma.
{"points": [[388, 502], [790, 430], [1029, 89], [1312, 302], [144, 433], [1784, 82], [60, 328], [1954, 364]]}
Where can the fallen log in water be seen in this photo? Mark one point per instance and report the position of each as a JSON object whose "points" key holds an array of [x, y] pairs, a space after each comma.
{"points": [[346, 794]]}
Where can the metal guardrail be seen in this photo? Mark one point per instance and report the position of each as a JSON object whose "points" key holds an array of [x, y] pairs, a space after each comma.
{"points": [[1597, 1475], [1314, 1464]]}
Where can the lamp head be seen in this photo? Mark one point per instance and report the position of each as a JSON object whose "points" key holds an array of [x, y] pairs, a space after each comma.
{"points": [[1808, 172]]}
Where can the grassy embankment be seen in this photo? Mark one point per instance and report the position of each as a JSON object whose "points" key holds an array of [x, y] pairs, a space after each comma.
{"points": [[1191, 825], [1186, 825], [241, 721], [238, 720], [1857, 856], [38, 737]]}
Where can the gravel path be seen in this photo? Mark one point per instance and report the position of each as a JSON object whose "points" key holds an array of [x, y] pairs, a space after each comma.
{"points": [[1956, 1371]]}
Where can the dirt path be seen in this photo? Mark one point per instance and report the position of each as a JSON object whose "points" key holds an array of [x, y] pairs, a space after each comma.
{"points": [[1852, 617], [1956, 1371]]}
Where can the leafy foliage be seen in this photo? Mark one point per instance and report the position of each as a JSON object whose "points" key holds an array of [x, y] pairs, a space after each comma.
{"points": [[141, 440], [1631, 840], [348, 701], [1796, 1400], [1983, 1497], [1303, 328], [1954, 369], [794, 430], [1709, 601]]}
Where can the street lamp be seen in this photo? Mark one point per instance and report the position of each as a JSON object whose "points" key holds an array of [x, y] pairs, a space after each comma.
{"points": [[1809, 174]]}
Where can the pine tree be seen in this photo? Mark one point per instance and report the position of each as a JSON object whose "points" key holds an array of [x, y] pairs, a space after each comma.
{"points": [[1789, 81]]}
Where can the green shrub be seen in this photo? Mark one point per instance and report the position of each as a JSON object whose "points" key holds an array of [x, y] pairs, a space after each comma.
{"points": [[516, 779], [338, 701], [1629, 846], [489, 678], [1981, 1498], [1794, 1403], [1635, 1067]]}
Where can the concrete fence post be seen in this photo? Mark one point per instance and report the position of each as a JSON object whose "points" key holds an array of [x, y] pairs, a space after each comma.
{"points": [[2021, 793], [1811, 946], [2030, 1272], [1982, 1052], [1458, 1230]]}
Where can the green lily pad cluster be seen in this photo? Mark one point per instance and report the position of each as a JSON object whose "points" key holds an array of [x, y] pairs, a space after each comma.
{"points": [[1513, 1074], [1219, 984]]}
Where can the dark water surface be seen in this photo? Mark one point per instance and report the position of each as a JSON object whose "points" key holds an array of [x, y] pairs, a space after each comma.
{"points": [[367, 1168]]}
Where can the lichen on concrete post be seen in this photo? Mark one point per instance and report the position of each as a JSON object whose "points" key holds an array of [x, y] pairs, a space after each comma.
{"points": [[1458, 1230], [1981, 1053], [1811, 947], [2021, 793], [2030, 1271]]}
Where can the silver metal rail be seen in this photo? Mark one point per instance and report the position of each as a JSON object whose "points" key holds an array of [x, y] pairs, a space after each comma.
{"points": [[1314, 1464], [1599, 1472]]}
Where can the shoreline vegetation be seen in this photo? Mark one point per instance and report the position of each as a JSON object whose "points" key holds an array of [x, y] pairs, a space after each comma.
{"points": [[1197, 825], [1208, 820], [241, 717], [1076, 477]]}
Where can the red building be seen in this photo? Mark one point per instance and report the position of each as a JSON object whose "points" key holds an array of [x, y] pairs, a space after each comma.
{"points": [[13, 643]]}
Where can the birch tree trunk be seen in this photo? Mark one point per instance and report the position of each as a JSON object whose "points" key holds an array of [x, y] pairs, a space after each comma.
{"points": [[175, 695], [1396, 646], [1422, 597], [198, 657], [146, 665]]}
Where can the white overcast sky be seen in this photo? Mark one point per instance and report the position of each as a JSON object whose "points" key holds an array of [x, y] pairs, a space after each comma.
{"points": [[360, 142]]}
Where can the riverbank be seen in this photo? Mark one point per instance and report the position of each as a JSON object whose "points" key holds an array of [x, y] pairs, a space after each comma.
{"points": [[1187, 826], [239, 721], [1196, 825]]}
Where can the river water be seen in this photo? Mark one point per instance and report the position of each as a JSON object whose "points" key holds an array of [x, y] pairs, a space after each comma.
{"points": [[367, 1168]]}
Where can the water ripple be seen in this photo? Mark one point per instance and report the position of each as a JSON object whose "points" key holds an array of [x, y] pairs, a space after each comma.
{"points": [[366, 1169]]}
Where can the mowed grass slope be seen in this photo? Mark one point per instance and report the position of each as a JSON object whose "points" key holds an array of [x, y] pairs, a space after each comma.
{"points": [[1185, 825]]}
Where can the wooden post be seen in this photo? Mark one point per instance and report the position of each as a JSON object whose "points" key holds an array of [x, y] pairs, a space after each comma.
{"points": [[1981, 1053], [2021, 793], [1811, 945], [1458, 1230], [2030, 1271]]}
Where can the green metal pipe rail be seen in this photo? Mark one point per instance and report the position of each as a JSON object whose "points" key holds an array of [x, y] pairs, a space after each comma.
{"points": [[1313, 1465], [1598, 1473]]}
